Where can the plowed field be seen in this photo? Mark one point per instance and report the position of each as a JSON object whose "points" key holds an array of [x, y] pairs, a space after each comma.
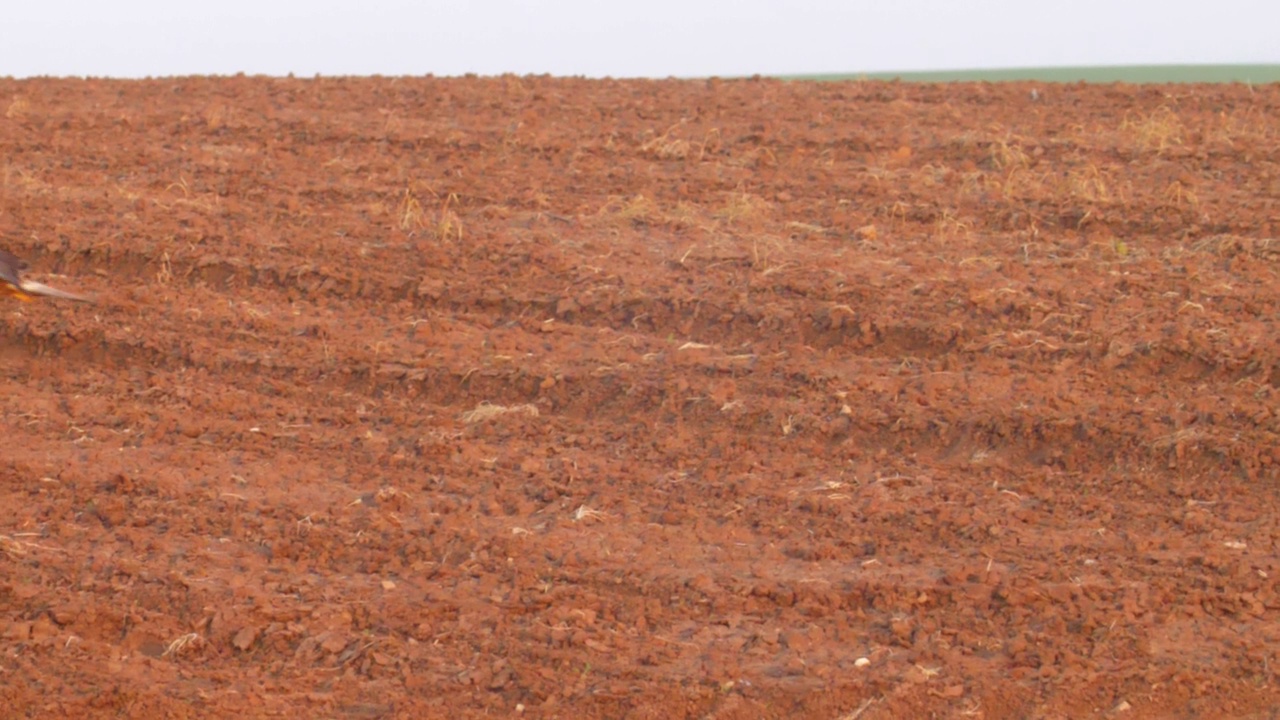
{"points": [[535, 397]]}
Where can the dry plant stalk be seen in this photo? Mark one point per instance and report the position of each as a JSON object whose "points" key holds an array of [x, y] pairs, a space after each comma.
{"points": [[410, 211], [449, 225]]}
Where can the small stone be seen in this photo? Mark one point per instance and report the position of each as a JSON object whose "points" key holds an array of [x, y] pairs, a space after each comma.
{"points": [[18, 631], [334, 644], [244, 639]]}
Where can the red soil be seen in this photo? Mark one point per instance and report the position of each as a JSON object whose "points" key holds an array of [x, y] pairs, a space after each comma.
{"points": [[977, 385]]}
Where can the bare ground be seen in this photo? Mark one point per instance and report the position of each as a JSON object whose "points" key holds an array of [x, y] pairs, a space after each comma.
{"points": [[569, 398]]}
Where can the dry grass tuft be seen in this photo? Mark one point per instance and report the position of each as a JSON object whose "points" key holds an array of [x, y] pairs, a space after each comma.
{"points": [[412, 215], [17, 108], [164, 275], [1247, 128], [1233, 245], [1156, 132], [585, 513], [638, 209], [802, 229], [11, 547], [949, 226], [1009, 156], [191, 640], [1179, 195], [485, 411], [742, 206], [215, 117], [667, 146], [641, 210], [1089, 185], [15, 548]]}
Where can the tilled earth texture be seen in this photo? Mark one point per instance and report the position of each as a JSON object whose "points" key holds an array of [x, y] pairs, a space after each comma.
{"points": [[560, 398]]}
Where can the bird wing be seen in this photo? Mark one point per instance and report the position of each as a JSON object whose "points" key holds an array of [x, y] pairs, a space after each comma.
{"points": [[11, 267], [35, 288]]}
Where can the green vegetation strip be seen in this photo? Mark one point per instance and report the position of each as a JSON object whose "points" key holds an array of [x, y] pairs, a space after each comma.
{"points": [[1252, 74]]}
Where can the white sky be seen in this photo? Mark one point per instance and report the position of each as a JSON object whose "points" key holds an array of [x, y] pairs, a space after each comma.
{"points": [[621, 38]]}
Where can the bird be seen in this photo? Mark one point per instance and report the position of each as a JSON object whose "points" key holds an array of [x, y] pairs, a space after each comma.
{"points": [[13, 285]]}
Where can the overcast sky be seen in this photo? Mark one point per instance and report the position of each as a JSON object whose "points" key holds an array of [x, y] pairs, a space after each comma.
{"points": [[656, 38]]}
